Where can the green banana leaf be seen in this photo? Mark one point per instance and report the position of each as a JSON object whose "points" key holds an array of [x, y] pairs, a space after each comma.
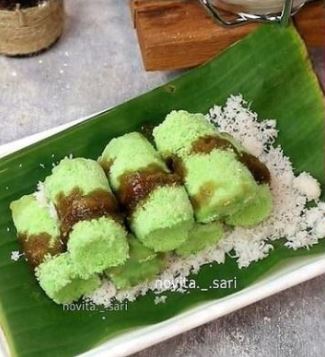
{"points": [[271, 69]]}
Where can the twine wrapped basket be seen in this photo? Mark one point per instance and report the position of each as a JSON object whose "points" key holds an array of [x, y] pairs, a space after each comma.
{"points": [[30, 30]]}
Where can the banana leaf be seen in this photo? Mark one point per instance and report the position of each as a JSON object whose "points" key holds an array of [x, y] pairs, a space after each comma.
{"points": [[271, 69]]}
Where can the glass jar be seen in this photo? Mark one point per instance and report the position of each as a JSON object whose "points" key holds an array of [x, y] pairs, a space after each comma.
{"points": [[256, 7], [244, 11]]}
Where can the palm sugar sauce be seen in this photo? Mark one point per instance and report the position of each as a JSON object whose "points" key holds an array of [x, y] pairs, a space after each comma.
{"points": [[136, 186], [37, 246], [77, 207], [257, 168]]}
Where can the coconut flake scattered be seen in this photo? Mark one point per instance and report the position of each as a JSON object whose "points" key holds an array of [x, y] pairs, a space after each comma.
{"points": [[307, 186], [44, 202], [69, 157], [40, 194], [320, 228], [290, 218], [103, 295], [15, 255], [173, 278], [160, 299], [302, 226]]}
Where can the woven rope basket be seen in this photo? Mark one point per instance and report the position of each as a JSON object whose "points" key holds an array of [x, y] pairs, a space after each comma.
{"points": [[30, 30]]}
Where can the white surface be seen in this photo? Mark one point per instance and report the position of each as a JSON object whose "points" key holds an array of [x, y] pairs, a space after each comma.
{"points": [[296, 271]]}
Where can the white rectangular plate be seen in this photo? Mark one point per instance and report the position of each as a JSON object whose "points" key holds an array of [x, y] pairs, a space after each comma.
{"points": [[283, 276]]}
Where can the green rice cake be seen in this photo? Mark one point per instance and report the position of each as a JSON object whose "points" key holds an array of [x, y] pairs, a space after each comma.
{"points": [[201, 236], [37, 228], [96, 245], [143, 265], [159, 211], [217, 181], [256, 211], [61, 282], [218, 184], [70, 174]]}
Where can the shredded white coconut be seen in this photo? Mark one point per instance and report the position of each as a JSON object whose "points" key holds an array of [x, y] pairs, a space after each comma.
{"points": [[44, 202], [290, 218], [160, 299], [15, 255], [307, 186], [104, 294]]}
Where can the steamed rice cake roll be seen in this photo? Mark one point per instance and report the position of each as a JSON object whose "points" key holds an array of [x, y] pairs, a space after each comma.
{"points": [[201, 237], [143, 265], [60, 280], [80, 191], [37, 227], [179, 131], [256, 211], [97, 244], [159, 211], [219, 178], [88, 213]]}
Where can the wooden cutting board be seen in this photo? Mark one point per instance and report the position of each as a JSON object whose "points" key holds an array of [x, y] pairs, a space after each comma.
{"points": [[175, 34]]}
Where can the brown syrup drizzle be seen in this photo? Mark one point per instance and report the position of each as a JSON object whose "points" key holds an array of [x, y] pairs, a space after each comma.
{"points": [[257, 168], [136, 186], [78, 207], [204, 195], [205, 145], [176, 165], [37, 246]]}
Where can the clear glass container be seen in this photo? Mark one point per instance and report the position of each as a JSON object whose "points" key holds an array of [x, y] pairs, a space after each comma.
{"points": [[256, 7], [238, 12]]}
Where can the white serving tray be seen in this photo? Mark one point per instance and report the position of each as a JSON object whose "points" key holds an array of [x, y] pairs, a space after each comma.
{"points": [[283, 276]]}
